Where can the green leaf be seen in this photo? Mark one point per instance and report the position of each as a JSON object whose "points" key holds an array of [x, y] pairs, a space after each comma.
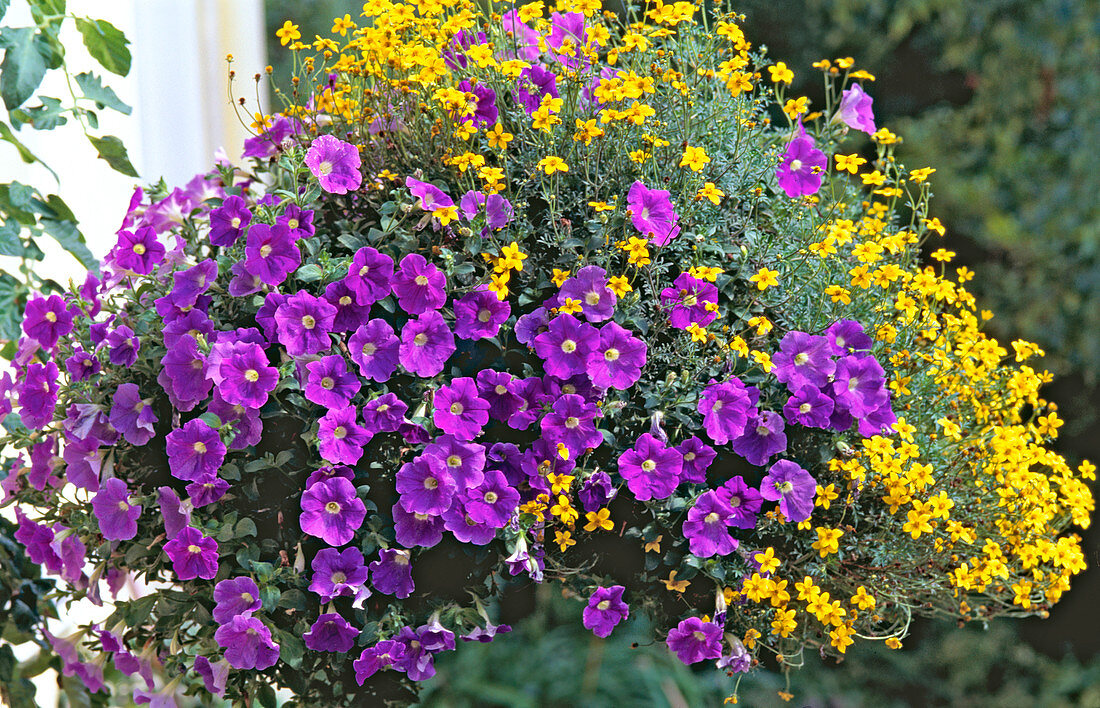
{"points": [[106, 44], [266, 696], [10, 243], [138, 611], [45, 116], [26, 56], [12, 294], [245, 527], [92, 87], [59, 208], [3, 7], [70, 238], [309, 273], [24, 152], [113, 151]]}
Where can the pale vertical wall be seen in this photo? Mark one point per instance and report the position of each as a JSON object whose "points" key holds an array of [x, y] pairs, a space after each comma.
{"points": [[182, 114]]}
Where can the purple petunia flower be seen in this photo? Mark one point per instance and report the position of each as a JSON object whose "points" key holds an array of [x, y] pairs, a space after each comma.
{"points": [[235, 596], [566, 345], [571, 422], [727, 408], [194, 324], [392, 573], [697, 458], [335, 164], [340, 438], [419, 285], [465, 528], [138, 251], [195, 451], [463, 461], [380, 656], [206, 491], [271, 253], [847, 337], [859, 386], [688, 300], [426, 344], [597, 491], [176, 516], [803, 360], [617, 360], [116, 515], [880, 421], [531, 325], [244, 422], [189, 284], [743, 500], [589, 288], [349, 313], [530, 391], [413, 529], [651, 212], [247, 643], [303, 324], [498, 388], [425, 486], [184, 373], [298, 220], [498, 210], [214, 675], [229, 221], [331, 511], [265, 316], [369, 275], [533, 84], [384, 414], [479, 314], [459, 410], [277, 138], [855, 110], [421, 645], [793, 487], [331, 632], [694, 640], [81, 366], [763, 437], [492, 502], [706, 527], [809, 407], [605, 610], [428, 196], [193, 555], [46, 320], [329, 383], [131, 415], [803, 166], [374, 348], [650, 469], [38, 396], [246, 379], [339, 574]]}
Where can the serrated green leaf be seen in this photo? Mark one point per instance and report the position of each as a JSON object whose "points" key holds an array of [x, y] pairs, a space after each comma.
{"points": [[45, 116], [12, 295], [113, 151], [92, 87], [10, 243], [26, 57], [107, 45], [70, 238]]}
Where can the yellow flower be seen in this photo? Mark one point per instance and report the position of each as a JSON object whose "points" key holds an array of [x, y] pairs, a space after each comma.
{"points": [[445, 214], [560, 483], [943, 255], [851, 163], [601, 206], [862, 74], [551, 164], [599, 520], [559, 276], [893, 643], [618, 285], [511, 258], [767, 560], [784, 623], [862, 599], [694, 158], [921, 175], [875, 178], [672, 584], [571, 306], [698, 334], [796, 107], [564, 539], [498, 138], [781, 74], [828, 541], [287, 32], [765, 278], [654, 546], [341, 25], [711, 192], [884, 137]]}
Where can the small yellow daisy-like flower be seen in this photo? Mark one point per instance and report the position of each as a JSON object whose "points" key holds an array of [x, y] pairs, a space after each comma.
{"points": [[875, 178], [261, 122], [445, 214], [767, 560], [862, 74], [884, 137], [571, 306], [796, 107], [286, 33], [942, 255], [341, 25], [851, 163], [934, 224], [739, 345], [511, 258], [694, 158], [654, 546], [765, 278], [551, 164], [564, 539], [764, 359], [698, 334], [893, 643], [601, 206], [674, 585], [781, 74], [921, 175], [711, 192], [559, 276], [599, 520], [498, 138], [862, 599], [618, 285], [828, 541]]}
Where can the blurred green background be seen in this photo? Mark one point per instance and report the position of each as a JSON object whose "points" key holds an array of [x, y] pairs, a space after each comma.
{"points": [[1002, 98]]}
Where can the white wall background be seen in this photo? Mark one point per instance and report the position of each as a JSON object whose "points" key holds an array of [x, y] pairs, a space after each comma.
{"points": [[182, 114]]}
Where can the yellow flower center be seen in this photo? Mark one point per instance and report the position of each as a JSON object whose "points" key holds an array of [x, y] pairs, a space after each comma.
{"points": [[420, 339], [491, 497], [194, 549], [501, 389], [801, 358], [369, 348], [265, 251], [308, 321], [569, 346], [327, 383], [603, 605], [122, 505], [483, 315], [711, 518], [454, 461], [783, 487], [139, 249], [804, 408], [345, 301], [247, 597], [456, 408], [340, 432], [421, 280], [572, 422], [252, 375], [611, 354], [592, 298], [338, 578], [431, 483], [292, 223], [200, 447], [235, 222], [332, 507], [649, 465], [324, 168]]}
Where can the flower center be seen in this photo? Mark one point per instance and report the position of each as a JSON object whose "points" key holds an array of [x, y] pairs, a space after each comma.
{"points": [[364, 270], [454, 461], [592, 298], [717, 406], [603, 605], [325, 167], [421, 280], [735, 502], [369, 348], [252, 375], [382, 407], [784, 487], [796, 165], [308, 321], [345, 301], [483, 315], [456, 408], [611, 354], [689, 456], [139, 249], [265, 250], [420, 339], [698, 636], [853, 383], [491, 497], [422, 517], [247, 597], [801, 358], [711, 518], [804, 408], [338, 578], [339, 432], [572, 421], [762, 431], [569, 346], [501, 389], [333, 507], [292, 223], [327, 383], [235, 222], [690, 300], [840, 341], [194, 549], [123, 506], [649, 465], [200, 447], [431, 483]]}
